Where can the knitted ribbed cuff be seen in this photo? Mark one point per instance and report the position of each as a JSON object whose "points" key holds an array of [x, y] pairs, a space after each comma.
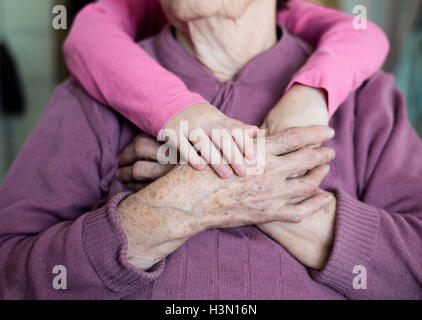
{"points": [[106, 246], [356, 230]]}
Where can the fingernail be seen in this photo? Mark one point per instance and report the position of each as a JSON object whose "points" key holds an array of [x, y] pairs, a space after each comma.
{"points": [[251, 152], [241, 171], [332, 132], [226, 172], [200, 164]]}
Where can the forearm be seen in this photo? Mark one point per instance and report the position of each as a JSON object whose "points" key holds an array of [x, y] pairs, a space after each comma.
{"points": [[161, 217], [104, 58], [185, 201], [137, 220], [302, 106], [338, 49]]}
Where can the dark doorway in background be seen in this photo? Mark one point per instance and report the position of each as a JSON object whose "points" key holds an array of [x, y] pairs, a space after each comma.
{"points": [[73, 7]]}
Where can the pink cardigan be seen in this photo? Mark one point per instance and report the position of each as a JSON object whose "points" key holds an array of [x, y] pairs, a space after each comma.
{"points": [[103, 57]]}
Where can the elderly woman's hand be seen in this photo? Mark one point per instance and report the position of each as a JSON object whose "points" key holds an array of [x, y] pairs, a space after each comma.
{"points": [[138, 163], [311, 240], [161, 217]]}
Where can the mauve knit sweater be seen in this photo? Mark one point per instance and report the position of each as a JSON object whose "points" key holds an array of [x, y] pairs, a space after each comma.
{"points": [[58, 202]]}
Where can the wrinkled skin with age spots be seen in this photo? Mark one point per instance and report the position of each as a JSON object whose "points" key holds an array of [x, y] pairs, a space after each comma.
{"points": [[185, 10], [162, 216], [223, 35]]}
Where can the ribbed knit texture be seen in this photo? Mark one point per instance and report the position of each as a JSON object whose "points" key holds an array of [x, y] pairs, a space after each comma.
{"points": [[357, 223], [106, 246]]}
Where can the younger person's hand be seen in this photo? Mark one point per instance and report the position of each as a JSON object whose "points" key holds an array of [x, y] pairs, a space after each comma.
{"points": [[301, 106], [222, 142]]}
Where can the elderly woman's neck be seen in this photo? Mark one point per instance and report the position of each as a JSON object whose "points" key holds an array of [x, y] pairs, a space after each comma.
{"points": [[225, 45]]}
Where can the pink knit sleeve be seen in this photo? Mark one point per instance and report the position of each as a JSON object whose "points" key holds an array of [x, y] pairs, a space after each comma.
{"points": [[101, 54], [103, 57], [344, 57]]}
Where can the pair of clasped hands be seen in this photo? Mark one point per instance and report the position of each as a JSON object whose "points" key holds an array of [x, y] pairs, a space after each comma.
{"points": [[301, 117], [301, 107], [278, 201]]}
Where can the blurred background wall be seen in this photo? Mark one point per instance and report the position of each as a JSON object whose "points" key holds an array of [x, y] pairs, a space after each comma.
{"points": [[33, 47], [402, 21], [26, 33]]}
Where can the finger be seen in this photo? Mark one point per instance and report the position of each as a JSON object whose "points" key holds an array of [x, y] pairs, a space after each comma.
{"points": [[308, 185], [296, 213], [228, 147], [189, 154], [250, 130], [142, 171], [305, 159], [212, 155], [244, 142], [143, 147], [296, 138]]}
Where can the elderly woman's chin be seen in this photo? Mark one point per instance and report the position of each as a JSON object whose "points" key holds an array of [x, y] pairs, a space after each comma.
{"points": [[185, 10]]}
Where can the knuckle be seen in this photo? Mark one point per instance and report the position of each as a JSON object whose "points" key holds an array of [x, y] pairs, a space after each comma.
{"points": [[329, 154], [310, 187], [316, 204], [321, 155], [311, 157], [295, 217], [291, 138]]}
